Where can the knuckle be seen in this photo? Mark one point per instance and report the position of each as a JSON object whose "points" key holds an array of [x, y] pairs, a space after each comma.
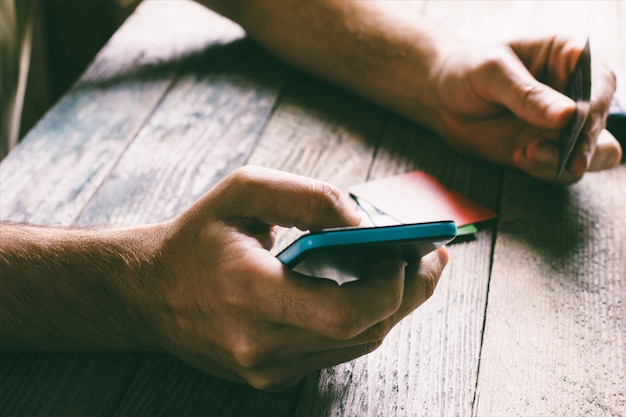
{"points": [[340, 323], [429, 287], [494, 63], [372, 346], [378, 332], [613, 78], [430, 277], [247, 354], [324, 196], [266, 381], [529, 91], [244, 175], [261, 381]]}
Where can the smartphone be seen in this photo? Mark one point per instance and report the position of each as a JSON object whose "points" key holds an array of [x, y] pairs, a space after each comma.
{"points": [[345, 254]]}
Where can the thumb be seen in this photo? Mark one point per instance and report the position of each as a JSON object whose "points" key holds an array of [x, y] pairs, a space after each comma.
{"points": [[530, 100], [278, 198]]}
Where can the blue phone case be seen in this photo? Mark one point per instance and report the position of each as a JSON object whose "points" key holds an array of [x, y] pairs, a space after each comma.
{"points": [[407, 241]]}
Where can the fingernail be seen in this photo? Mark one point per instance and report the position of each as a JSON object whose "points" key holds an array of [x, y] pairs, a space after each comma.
{"points": [[578, 165], [545, 154]]}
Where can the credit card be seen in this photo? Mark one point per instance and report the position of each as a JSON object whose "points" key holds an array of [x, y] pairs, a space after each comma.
{"points": [[579, 90], [416, 197]]}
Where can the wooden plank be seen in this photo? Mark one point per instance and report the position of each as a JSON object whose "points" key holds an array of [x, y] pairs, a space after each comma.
{"points": [[321, 131], [327, 134], [165, 386], [87, 131], [64, 383], [555, 337], [203, 129], [428, 364]]}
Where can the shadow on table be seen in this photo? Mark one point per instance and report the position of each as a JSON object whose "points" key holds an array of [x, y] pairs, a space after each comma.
{"points": [[239, 56], [561, 225]]}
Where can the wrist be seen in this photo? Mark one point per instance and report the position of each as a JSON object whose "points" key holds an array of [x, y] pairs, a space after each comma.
{"points": [[75, 288], [141, 287], [416, 93], [384, 52]]}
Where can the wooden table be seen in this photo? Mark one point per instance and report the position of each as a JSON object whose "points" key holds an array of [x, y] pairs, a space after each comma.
{"points": [[529, 318]]}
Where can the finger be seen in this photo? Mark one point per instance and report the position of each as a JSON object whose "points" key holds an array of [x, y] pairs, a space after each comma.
{"points": [[592, 156], [421, 279], [583, 150], [323, 307], [596, 150], [550, 60], [539, 159], [283, 342], [512, 85], [281, 376], [608, 153], [266, 345], [275, 197]]}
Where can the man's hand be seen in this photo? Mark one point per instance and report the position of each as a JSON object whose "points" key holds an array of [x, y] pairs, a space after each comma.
{"points": [[503, 103], [234, 310], [205, 287], [499, 102]]}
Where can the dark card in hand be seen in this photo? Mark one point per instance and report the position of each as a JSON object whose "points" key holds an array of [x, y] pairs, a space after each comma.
{"points": [[579, 90]]}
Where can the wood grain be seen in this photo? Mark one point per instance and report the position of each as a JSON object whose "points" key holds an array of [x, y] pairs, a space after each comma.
{"points": [[203, 129], [528, 318], [90, 129], [164, 386], [64, 383], [555, 340]]}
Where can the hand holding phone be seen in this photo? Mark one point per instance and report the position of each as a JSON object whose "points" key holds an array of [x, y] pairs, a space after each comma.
{"points": [[346, 254]]}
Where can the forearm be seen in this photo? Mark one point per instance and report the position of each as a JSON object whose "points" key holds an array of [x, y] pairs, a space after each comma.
{"points": [[352, 43], [72, 289]]}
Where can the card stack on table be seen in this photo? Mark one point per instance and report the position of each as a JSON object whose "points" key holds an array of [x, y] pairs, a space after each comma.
{"points": [[417, 197]]}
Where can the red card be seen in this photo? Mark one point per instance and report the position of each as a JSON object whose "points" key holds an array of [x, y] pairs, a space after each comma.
{"points": [[416, 197]]}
